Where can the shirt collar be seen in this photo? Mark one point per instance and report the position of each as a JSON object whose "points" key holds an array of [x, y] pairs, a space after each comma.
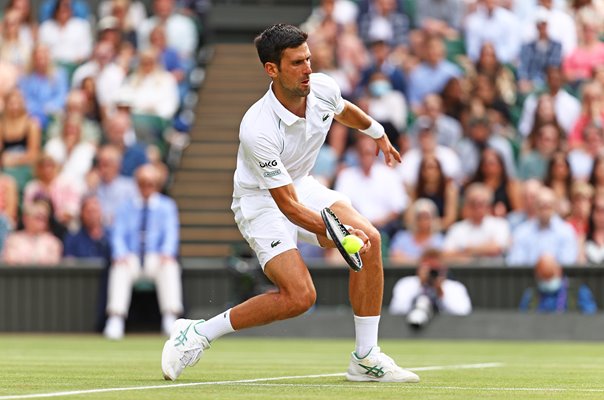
{"points": [[283, 113], [153, 201]]}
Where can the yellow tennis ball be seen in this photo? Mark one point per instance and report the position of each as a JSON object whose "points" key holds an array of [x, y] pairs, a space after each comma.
{"points": [[352, 243]]}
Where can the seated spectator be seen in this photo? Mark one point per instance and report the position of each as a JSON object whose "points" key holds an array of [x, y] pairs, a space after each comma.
{"points": [[19, 139], [545, 234], [479, 235], [422, 233], [111, 188], [494, 24], [92, 108], [429, 291], [144, 243], [324, 61], [442, 18], [428, 146], [155, 90], [108, 76], [9, 198], [537, 55], [76, 104], [556, 293], [34, 244], [593, 248], [69, 150], [180, 29], [79, 9], [448, 130], [28, 25], [582, 157], [92, 240], [387, 106], [534, 163], [15, 47], [485, 95], [581, 196], [545, 114], [433, 185], [506, 191], [44, 88], [432, 74], [380, 52], [373, 188], [68, 37], [592, 112], [117, 128], [567, 107], [560, 25], [479, 136], [499, 75], [579, 63], [133, 11], [64, 194], [168, 57], [560, 180], [455, 99], [596, 178], [529, 192], [9, 76], [386, 20]]}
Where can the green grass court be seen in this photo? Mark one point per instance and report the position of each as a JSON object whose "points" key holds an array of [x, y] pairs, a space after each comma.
{"points": [[243, 368]]}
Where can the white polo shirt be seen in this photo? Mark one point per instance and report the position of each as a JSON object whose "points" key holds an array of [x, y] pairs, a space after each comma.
{"points": [[276, 146]]}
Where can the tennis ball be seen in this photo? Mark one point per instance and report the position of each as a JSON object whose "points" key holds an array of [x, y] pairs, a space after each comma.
{"points": [[352, 243]]}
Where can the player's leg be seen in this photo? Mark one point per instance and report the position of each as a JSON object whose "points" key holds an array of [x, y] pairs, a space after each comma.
{"points": [[366, 289]]}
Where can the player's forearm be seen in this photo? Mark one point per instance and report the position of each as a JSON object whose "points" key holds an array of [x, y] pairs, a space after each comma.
{"points": [[304, 217], [353, 117]]}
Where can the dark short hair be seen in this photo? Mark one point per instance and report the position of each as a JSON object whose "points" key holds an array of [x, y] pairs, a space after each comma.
{"points": [[271, 43]]}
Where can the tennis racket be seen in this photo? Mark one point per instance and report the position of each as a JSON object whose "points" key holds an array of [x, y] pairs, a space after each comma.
{"points": [[338, 231]]}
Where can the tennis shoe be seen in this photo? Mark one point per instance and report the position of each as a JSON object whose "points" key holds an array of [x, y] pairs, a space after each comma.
{"points": [[183, 349], [377, 367]]}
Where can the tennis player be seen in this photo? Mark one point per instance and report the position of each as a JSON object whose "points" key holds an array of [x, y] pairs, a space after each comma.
{"points": [[276, 202]]}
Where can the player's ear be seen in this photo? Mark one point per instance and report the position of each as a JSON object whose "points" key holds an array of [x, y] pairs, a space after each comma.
{"points": [[271, 69]]}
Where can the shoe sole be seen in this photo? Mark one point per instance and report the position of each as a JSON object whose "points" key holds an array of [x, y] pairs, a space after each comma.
{"points": [[364, 378]]}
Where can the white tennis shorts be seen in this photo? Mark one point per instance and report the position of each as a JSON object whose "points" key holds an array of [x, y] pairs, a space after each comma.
{"points": [[268, 231]]}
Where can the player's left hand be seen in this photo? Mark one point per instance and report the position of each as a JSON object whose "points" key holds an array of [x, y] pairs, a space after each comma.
{"points": [[363, 236], [390, 153]]}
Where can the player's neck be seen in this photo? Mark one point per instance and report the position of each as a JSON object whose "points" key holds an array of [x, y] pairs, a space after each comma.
{"points": [[294, 103]]}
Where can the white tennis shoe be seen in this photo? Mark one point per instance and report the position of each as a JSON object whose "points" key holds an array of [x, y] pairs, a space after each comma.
{"points": [[377, 367], [183, 349]]}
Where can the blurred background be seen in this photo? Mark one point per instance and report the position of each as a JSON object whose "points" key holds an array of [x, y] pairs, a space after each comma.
{"points": [[492, 226]]}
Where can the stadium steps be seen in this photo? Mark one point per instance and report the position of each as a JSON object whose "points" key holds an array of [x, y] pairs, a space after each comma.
{"points": [[203, 184]]}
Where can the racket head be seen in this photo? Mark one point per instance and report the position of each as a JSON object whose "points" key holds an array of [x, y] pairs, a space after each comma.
{"points": [[338, 231]]}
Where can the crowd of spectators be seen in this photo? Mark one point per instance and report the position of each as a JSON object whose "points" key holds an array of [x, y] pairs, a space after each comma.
{"points": [[497, 107], [87, 99]]}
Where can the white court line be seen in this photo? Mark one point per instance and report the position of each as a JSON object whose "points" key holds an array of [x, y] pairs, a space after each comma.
{"points": [[238, 382]]}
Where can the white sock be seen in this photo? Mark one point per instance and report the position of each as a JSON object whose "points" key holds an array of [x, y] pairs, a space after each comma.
{"points": [[366, 329], [215, 327]]}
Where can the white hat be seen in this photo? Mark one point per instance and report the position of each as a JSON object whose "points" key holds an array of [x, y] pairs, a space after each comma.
{"points": [[541, 15], [108, 22]]}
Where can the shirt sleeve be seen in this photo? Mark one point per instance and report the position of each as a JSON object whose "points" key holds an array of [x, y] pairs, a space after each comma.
{"points": [[327, 90], [263, 155]]}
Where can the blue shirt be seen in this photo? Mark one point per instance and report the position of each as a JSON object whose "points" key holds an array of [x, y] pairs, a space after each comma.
{"points": [[530, 242], [113, 194], [134, 157], [171, 60], [81, 245], [559, 301], [426, 79], [404, 242], [44, 95], [78, 8], [534, 60], [161, 234]]}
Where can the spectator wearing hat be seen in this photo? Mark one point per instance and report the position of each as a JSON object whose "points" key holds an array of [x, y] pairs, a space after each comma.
{"points": [[561, 26], [537, 55], [34, 244], [428, 146]]}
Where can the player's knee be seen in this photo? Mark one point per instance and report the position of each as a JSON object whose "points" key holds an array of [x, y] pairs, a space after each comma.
{"points": [[303, 301], [374, 237]]}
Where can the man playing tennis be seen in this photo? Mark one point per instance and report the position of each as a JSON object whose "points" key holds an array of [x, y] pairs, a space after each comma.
{"points": [[276, 202]]}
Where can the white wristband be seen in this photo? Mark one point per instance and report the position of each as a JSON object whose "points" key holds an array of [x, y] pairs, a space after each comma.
{"points": [[348, 228], [375, 130]]}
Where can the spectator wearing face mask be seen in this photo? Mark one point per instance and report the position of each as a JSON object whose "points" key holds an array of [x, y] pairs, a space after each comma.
{"points": [[556, 293]]}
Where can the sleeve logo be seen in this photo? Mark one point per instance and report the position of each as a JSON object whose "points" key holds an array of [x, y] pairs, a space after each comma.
{"points": [[272, 173], [272, 163]]}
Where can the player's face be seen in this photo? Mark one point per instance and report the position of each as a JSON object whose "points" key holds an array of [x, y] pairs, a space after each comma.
{"points": [[293, 74]]}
